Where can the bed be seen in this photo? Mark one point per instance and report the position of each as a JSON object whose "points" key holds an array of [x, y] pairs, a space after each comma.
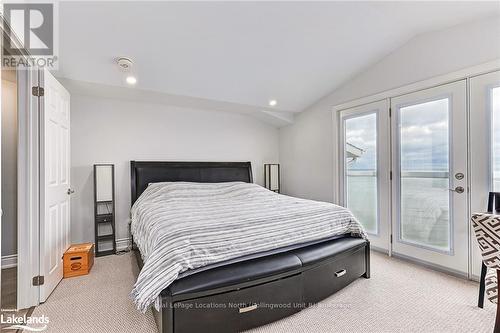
{"points": [[240, 290]]}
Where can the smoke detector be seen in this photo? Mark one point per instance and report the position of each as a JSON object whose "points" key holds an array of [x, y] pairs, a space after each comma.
{"points": [[125, 63]]}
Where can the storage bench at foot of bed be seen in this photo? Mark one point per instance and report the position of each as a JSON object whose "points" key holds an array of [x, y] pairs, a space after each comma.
{"points": [[332, 274], [248, 294], [239, 310]]}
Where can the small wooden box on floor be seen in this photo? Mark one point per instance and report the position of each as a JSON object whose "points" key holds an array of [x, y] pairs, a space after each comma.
{"points": [[78, 259]]}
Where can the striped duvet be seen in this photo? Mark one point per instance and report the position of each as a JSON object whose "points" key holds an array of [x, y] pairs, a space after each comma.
{"points": [[182, 226]]}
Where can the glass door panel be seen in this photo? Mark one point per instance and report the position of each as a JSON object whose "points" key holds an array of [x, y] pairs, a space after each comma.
{"points": [[364, 179], [484, 147], [429, 176], [361, 164], [424, 179]]}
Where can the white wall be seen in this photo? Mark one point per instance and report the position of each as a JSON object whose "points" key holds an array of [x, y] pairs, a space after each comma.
{"points": [[306, 147], [116, 131], [9, 167]]}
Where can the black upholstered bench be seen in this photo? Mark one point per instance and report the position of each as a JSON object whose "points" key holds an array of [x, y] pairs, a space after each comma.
{"points": [[254, 292]]}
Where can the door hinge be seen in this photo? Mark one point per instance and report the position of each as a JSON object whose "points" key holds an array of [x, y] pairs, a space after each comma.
{"points": [[390, 175], [390, 112], [38, 91], [38, 280], [391, 239]]}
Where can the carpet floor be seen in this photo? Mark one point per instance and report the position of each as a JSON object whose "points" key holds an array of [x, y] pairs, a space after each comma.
{"points": [[399, 297]]}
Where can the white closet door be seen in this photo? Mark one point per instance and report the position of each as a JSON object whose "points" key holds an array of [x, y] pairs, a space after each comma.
{"points": [[484, 147], [55, 182], [365, 168], [430, 221]]}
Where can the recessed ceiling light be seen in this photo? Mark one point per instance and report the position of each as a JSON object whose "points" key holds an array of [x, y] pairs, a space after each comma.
{"points": [[273, 102], [131, 80]]}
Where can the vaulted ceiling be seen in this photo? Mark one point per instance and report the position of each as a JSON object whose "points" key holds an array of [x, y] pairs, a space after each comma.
{"points": [[245, 53]]}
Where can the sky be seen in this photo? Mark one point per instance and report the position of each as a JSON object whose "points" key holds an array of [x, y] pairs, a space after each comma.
{"points": [[424, 136], [361, 132]]}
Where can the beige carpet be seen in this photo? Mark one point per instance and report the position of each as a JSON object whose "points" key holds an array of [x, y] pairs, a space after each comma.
{"points": [[97, 302], [400, 297]]}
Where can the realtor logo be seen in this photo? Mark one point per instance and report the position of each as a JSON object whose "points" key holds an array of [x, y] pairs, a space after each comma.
{"points": [[33, 23], [30, 31]]}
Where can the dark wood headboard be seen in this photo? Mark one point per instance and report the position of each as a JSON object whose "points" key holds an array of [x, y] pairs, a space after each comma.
{"points": [[143, 173]]}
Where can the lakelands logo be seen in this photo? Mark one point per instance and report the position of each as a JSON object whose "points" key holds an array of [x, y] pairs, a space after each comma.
{"points": [[28, 324], [30, 37]]}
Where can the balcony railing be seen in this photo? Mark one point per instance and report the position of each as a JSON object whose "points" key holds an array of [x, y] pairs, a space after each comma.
{"points": [[404, 174]]}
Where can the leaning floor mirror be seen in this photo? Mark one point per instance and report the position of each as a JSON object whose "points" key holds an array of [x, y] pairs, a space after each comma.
{"points": [[104, 209]]}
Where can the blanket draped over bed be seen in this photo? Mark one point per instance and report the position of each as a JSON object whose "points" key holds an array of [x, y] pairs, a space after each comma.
{"points": [[180, 226]]}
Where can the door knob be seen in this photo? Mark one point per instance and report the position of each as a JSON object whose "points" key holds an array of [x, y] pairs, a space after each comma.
{"points": [[458, 189], [70, 191]]}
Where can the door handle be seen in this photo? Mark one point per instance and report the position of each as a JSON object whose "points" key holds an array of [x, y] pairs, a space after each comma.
{"points": [[70, 191], [458, 189]]}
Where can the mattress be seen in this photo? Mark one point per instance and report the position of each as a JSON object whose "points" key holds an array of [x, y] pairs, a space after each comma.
{"points": [[187, 227]]}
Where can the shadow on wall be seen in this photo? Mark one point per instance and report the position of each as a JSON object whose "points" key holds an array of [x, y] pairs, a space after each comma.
{"points": [[82, 206]]}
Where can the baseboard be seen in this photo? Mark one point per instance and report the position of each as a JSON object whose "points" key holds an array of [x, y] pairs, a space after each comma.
{"points": [[475, 278], [9, 261], [378, 249], [432, 266], [123, 244]]}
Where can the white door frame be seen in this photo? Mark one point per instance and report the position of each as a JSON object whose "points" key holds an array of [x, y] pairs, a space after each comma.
{"points": [[28, 191], [379, 241], [28, 180], [480, 142], [456, 260], [465, 73]]}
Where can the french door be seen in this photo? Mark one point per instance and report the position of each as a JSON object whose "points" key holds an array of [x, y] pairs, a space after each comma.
{"points": [[429, 187], [364, 177], [404, 174], [485, 147]]}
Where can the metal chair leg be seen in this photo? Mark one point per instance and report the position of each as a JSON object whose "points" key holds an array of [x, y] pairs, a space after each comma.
{"points": [[482, 286]]}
